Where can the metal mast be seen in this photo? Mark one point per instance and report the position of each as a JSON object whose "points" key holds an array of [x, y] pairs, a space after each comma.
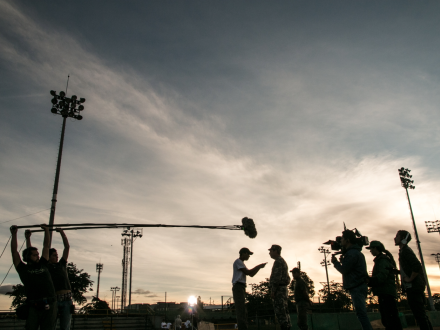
{"points": [[132, 234], [125, 242], [67, 108]]}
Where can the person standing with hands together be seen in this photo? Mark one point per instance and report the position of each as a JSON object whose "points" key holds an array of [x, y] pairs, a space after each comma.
{"points": [[240, 271], [38, 285]]}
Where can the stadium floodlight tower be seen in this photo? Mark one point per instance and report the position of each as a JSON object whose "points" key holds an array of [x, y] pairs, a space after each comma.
{"points": [[437, 258], [433, 226], [67, 108], [407, 183]]}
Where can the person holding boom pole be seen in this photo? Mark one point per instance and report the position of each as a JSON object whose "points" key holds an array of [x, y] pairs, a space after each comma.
{"points": [[38, 285], [60, 279]]}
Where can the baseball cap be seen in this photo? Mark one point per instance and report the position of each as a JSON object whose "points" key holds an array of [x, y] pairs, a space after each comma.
{"points": [[375, 244], [275, 247], [245, 250]]}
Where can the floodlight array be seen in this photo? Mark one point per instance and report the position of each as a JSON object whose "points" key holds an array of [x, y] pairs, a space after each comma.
{"points": [[405, 178], [433, 226], [67, 107]]}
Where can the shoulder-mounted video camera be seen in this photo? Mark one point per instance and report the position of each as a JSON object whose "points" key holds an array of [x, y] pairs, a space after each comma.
{"points": [[336, 244]]}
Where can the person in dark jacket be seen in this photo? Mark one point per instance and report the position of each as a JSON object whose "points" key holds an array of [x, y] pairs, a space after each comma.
{"points": [[383, 283], [413, 280], [353, 268], [302, 299]]}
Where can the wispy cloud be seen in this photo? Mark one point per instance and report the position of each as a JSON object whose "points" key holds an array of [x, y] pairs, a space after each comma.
{"points": [[144, 293]]}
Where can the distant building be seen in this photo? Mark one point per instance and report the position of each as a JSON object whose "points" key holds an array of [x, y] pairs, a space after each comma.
{"points": [[139, 307], [212, 307], [169, 306]]}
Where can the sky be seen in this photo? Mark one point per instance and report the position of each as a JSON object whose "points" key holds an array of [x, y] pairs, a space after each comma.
{"points": [[296, 114]]}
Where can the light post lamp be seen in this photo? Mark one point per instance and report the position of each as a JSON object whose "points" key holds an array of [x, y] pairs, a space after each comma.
{"points": [[192, 301], [114, 291], [437, 258], [407, 183], [67, 108], [99, 268]]}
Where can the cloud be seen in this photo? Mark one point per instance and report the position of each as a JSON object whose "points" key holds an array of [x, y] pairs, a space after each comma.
{"points": [[5, 289], [302, 137], [145, 293]]}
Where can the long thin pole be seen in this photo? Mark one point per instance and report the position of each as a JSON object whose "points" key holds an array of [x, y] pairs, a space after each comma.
{"points": [[131, 268], [326, 272], [97, 290], [431, 302], [113, 295], [57, 178]]}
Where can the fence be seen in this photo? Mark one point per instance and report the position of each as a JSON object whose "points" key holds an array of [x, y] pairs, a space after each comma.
{"points": [[96, 321]]}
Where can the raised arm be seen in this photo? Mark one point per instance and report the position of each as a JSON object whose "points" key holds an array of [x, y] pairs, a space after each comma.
{"points": [[28, 234], [15, 255], [46, 242], [66, 244], [253, 271]]}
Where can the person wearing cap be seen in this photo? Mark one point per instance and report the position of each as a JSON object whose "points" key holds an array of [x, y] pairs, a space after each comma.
{"points": [[240, 271], [353, 268], [279, 280], [383, 284], [302, 299], [412, 278]]}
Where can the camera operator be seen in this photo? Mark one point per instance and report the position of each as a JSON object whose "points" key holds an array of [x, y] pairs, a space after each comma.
{"points": [[40, 292], [60, 279], [383, 283], [353, 268], [413, 280]]}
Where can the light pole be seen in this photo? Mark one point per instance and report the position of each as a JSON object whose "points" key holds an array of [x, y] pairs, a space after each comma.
{"points": [[67, 108], [133, 234], [325, 263], [437, 258], [114, 291], [99, 268], [407, 183], [117, 301]]}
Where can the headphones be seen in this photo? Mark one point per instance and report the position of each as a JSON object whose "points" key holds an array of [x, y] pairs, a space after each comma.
{"points": [[404, 241]]}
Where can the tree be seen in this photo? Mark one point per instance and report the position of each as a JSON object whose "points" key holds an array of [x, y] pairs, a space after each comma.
{"points": [[309, 282], [338, 299], [18, 294], [97, 307], [259, 301], [80, 284]]}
